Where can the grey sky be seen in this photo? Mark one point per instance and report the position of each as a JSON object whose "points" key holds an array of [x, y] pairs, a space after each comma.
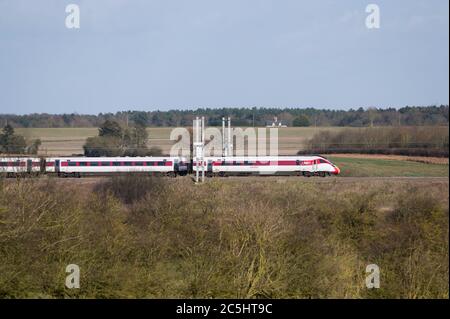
{"points": [[148, 54]]}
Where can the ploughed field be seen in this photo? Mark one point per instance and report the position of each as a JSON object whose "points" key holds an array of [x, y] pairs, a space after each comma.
{"points": [[68, 141]]}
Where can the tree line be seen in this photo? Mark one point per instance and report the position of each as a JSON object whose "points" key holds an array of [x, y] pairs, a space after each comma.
{"points": [[406, 116], [410, 141], [115, 140], [12, 143]]}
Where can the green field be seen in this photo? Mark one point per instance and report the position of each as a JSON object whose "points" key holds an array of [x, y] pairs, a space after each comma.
{"points": [[366, 167]]}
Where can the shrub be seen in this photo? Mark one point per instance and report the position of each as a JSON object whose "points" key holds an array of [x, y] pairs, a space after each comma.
{"points": [[411, 141]]}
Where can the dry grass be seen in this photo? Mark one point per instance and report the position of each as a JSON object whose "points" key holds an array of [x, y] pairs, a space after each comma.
{"points": [[224, 239]]}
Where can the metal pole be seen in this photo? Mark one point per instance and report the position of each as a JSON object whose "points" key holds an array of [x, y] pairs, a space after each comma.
{"points": [[202, 148], [230, 139], [195, 137], [223, 136]]}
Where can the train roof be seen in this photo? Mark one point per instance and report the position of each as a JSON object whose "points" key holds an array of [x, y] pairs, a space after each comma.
{"points": [[118, 158], [244, 158]]}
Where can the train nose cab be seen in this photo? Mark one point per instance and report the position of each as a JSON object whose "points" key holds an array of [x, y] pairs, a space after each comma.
{"points": [[337, 170], [334, 169]]}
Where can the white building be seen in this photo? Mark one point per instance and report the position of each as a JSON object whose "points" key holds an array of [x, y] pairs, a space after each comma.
{"points": [[275, 123]]}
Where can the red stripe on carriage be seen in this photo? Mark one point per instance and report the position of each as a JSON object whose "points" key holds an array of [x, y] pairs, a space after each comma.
{"points": [[168, 163], [287, 163]]}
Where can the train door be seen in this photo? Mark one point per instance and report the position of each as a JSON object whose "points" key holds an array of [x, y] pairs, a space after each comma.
{"points": [[57, 162], [315, 166], [43, 164], [210, 167], [29, 166]]}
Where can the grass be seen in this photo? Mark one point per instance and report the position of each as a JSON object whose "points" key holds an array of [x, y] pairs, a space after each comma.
{"points": [[362, 167], [243, 240]]}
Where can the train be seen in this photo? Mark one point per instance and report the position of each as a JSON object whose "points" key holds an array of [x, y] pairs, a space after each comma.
{"points": [[168, 166]]}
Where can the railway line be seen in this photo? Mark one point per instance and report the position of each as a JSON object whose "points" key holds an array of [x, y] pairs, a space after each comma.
{"points": [[252, 179]]}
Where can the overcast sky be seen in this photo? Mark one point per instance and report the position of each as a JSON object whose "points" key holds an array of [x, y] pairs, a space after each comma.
{"points": [[165, 54]]}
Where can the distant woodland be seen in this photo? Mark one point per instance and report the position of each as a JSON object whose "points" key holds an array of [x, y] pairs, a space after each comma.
{"points": [[406, 116]]}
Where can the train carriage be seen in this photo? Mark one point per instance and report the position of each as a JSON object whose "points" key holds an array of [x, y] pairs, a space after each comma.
{"points": [[78, 166], [270, 165], [19, 165]]}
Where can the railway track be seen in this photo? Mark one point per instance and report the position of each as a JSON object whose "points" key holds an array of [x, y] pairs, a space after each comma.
{"points": [[252, 179]]}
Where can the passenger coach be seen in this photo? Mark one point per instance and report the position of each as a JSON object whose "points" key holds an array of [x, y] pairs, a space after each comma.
{"points": [[12, 166], [79, 166], [270, 165]]}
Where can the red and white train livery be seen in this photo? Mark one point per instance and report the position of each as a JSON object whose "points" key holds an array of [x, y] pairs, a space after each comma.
{"points": [[11, 166], [78, 166], [270, 165], [171, 166]]}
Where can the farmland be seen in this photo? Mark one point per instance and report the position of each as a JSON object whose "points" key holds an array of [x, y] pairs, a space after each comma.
{"points": [[68, 141], [373, 167]]}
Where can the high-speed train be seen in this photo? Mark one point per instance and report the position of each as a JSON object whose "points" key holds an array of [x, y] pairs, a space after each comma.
{"points": [[269, 165], [170, 166], [83, 166]]}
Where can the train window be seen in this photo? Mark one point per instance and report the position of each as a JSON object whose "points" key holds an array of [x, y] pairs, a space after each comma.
{"points": [[161, 163], [104, 163], [128, 163], [83, 163], [71, 163], [94, 164], [116, 163], [322, 161], [3, 164], [149, 163]]}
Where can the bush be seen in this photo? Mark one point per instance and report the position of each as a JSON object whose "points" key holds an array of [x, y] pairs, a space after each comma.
{"points": [[102, 146], [131, 188], [300, 121], [411, 141], [135, 237]]}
